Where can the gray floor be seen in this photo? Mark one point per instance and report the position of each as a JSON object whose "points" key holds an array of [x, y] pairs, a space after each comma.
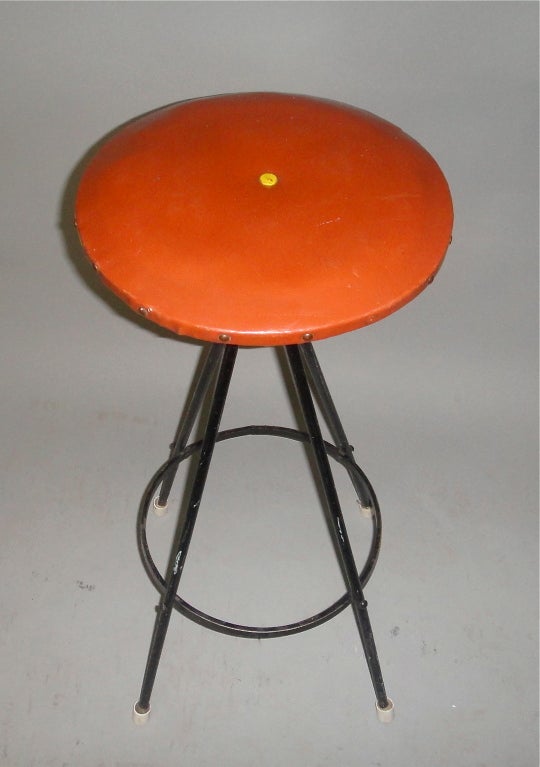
{"points": [[440, 400]]}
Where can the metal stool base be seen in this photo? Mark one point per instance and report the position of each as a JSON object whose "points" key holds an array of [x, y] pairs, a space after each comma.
{"points": [[308, 381]]}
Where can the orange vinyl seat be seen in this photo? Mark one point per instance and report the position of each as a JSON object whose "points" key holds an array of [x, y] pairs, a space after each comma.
{"points": [[263, 219]]}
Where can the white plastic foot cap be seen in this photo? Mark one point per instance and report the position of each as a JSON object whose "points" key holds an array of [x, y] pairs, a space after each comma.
{"points": [[159, 510], [366, 511], [139, 716], [386, 714]]}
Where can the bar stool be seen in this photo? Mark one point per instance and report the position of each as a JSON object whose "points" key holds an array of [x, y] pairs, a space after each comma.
{"points": [[263, 219]]}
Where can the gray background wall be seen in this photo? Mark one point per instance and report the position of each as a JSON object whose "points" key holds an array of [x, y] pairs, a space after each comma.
{"points": [[440, 400]]}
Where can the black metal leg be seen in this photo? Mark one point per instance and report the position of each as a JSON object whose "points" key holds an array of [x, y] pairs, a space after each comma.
{"points": [[337, 526], [226, 359], [328, 409], [192, 409]]}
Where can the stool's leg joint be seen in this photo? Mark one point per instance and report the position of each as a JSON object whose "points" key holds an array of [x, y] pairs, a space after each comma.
{"points": [[336, 523], [330, 414], [225, 359], [187, 422]]}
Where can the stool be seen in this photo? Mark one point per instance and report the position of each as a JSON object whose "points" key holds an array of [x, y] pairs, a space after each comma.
{"points": [[263, 219]]}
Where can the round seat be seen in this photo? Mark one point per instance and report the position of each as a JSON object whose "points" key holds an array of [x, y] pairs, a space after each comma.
{"points": [[263, 219]]}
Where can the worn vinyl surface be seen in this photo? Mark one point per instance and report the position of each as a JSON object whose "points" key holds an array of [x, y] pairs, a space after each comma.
{"points": [[263, 217]]}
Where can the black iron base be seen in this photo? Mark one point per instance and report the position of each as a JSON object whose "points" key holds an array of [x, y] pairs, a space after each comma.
{"points": [[308, 381]]}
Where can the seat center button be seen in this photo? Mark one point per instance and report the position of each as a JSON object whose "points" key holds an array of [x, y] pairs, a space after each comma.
{"points": [[268, 179]]}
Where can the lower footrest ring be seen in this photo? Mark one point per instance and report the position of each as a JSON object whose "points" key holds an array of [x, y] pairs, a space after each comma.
{"points": [[233, 629]]}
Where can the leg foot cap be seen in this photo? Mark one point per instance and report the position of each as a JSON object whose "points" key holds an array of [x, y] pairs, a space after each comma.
{"points": [[365, 511], [159, 510], [385, 714], [139, 715]]}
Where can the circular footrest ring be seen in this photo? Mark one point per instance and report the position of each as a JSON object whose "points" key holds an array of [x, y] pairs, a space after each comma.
{"points": [[233, 629]]}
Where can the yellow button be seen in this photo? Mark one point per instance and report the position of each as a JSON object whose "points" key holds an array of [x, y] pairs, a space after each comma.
{"points": [[268, 179]]}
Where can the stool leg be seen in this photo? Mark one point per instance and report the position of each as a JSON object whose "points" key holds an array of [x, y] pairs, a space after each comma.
{"points": [[191, 411], [328, 409], [339, 532], [227, 356]]}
